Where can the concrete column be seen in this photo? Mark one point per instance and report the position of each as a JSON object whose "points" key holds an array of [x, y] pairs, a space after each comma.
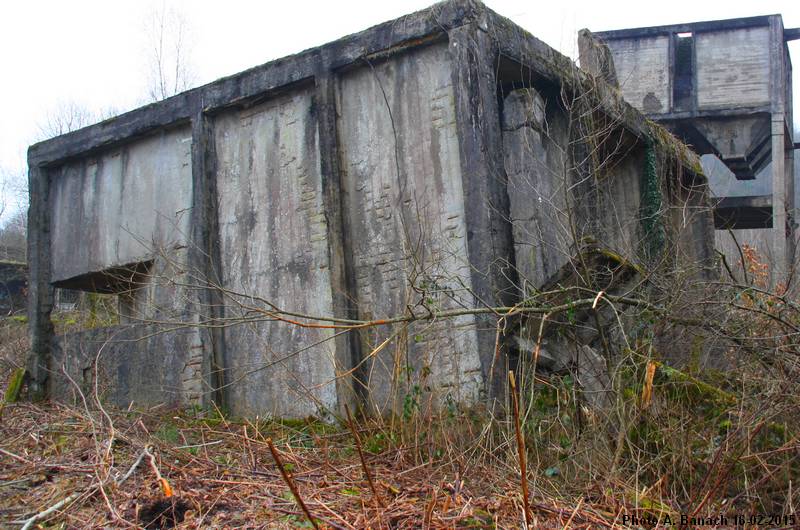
{"points": [[791, 247], [779, 183], [779, 198], [204, 262], [352, 389], [40, 291], [486, 203]]}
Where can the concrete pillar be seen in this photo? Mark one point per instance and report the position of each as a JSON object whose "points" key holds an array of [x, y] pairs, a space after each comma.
{"points": [[204, 262], [40, 291], [779, 188], [350, 389], [789, 167], [486, 203]]}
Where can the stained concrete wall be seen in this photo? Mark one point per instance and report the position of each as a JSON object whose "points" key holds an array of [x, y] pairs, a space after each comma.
{"points": [[114, 209], [643, 71], [554, 199], [536, 163], [121, 206], [733, 68], [405, 209], [361, 180], [274, 245], [137, 364]]}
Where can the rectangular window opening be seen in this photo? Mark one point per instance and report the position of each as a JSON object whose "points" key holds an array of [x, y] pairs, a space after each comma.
{"points": [[99, 299], [683, 80]]}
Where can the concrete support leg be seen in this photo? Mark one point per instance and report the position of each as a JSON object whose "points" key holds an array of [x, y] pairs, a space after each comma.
{"points": [[204, 260], [40, 292], [489, 232], [779, 189]]}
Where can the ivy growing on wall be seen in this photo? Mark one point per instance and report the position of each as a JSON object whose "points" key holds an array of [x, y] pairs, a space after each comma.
{"points": [[650, 205]]}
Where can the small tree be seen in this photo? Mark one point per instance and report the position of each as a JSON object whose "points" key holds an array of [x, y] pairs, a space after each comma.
{"points": [[66, 116], [168, 53], [13, 237]]}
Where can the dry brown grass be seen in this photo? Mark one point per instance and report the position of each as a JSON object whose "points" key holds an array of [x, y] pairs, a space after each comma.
{"points": [[695, 442], [224, 476]]}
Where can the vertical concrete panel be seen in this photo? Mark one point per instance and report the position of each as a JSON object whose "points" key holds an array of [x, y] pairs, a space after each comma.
{"points": [[402, 181], [618, 208], [122, 206], [732, 68], [273, 245], [543, 176], [643, 72], [535, 162]]}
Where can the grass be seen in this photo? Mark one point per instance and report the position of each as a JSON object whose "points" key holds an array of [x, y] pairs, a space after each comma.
{"points": [[671, 442], [456, 470]]}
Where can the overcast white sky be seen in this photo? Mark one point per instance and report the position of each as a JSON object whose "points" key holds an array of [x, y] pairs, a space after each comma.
{"points": [[92, 52]]}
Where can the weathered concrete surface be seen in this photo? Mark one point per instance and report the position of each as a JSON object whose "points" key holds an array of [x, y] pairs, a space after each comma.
{"points": [[273, 241], [136, 364], [642, 67], [556, 198], [537, 167], [733, 68], [405, 205], [595, 57], [121, 207], [365, 179]]}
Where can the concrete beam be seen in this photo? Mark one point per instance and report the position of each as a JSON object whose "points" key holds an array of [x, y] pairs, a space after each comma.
{"points": [[694, 27], [387, 38]]}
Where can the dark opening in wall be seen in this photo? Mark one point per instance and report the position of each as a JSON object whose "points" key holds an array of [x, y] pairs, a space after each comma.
{"points": [[683, 68], [100, 298], [739, 213]]}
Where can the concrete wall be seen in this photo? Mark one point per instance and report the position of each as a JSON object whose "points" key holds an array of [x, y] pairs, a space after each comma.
{"points": [[554, 200], [122, 205], [361, 180], [405, 208], [643, 71], [536, 166], [733, 68], [759, 240], [137, 364], [273, 242]]}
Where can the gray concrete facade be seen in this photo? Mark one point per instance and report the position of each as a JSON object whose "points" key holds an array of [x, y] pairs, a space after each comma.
{"points": [[422, 166], [725, 88]]}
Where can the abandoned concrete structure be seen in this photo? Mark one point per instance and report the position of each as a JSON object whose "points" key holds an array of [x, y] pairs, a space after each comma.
{"points": [[725, 88], [427, 167]]}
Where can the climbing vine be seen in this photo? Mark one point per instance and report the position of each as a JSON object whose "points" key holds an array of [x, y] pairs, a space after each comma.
{"points": [[650, 205]]}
